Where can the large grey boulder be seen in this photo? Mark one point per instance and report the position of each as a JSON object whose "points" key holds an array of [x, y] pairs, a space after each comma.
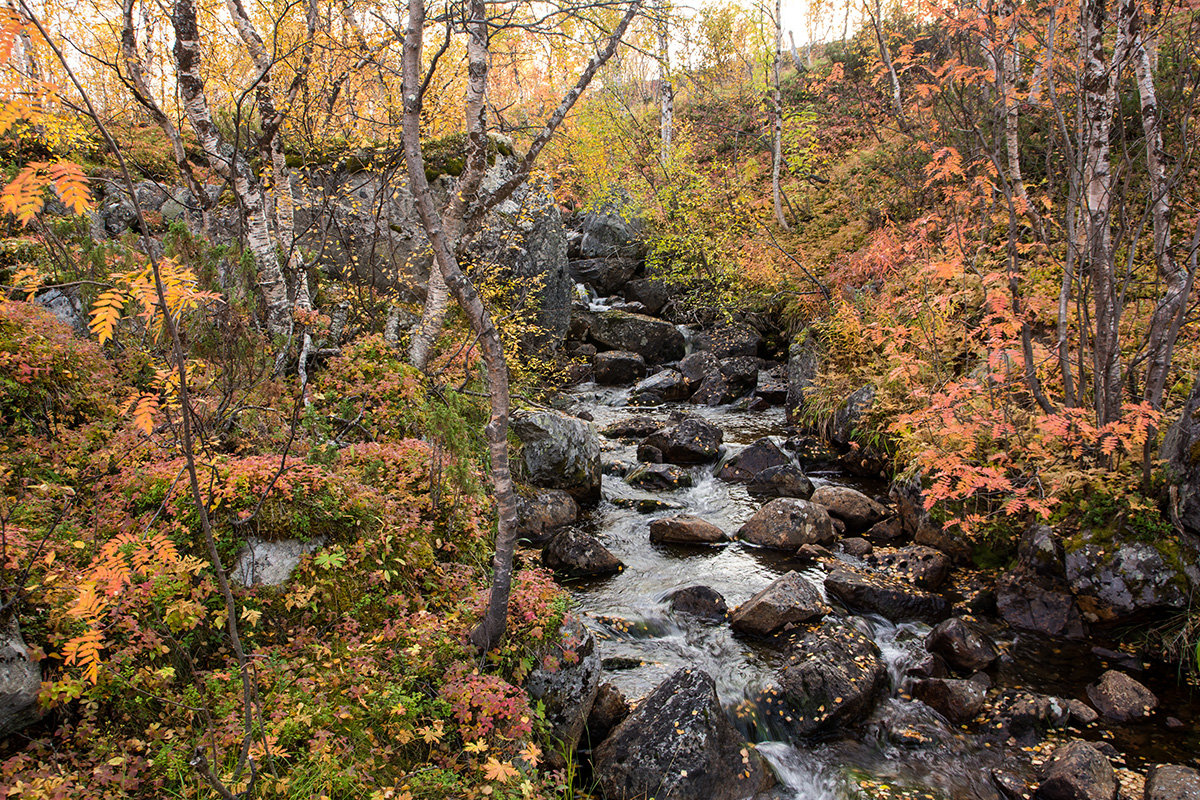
{"points": [[542, 513], [1078, 771], [1124, 578], [655, 340], [728, 341], [264, 562], [788, 523], [846, 422], [832, 678], [605, 275], [611, 230], [575, 554], [788, 600], [568, 689], [20, 681], [665, 385], [560, 452], [679, 745], [921, 566], [685, 529], [804, 363], [618, 367], [735, 377]]}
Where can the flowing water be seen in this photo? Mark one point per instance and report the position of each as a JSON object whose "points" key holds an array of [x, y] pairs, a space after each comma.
{"points": [[904, 743]]}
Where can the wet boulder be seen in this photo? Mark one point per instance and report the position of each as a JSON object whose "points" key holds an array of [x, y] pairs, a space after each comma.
{"points": [[1029, 604], [735, 377], [788, 600], [618, 367], [608, 711], [697, 366], [658, 342], [956, 700], [1026, 715], [729, 341], [851, 506], [575, 554], [1120, 698], [544, 512], [832, 678], [785, 480], [1122, 578], [861, 591], [20, 681], [659, 477], [1172, 782], [666, 385], [921, 566], [605, 275], [632, 428], [857, 547], [761, 455], [788, 523], [691, 440], [679, 745], [699, 601], [568, 690], [771, 388], [844, 425], [560, 452], [1078, 771], [685, 529], [962, 645]]}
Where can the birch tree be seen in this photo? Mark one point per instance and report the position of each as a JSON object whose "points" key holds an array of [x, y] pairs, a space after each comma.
{"points": [[445, 225], [777, 119]]}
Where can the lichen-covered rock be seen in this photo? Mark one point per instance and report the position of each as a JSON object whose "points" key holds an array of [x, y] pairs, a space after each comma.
{"points": [[658, 342], [659, 477], [264, 562], [560, 452], [653, 294], [1172, 782], [851, 506], [729, 341], [543, 513], [691, 440], [734, 378], [1040, 552], [679, 745], [618, 367], [695, 367], [785, 480], [893, 599], [788, 523], [832, 677], [685, 529], [1124, 578], [1120, 698], [962, 645], [611, 230], [1078, 771], [667, 384], [576, 554], [804, 363], [605, 275], [921, 566], [788, 600], [20, 681], [567, 689]]}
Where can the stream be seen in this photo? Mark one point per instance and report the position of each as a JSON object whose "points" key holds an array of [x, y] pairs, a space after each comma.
{"points": [[904, 746]]}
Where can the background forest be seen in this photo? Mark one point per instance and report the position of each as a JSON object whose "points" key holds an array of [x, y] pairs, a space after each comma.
{"points": [[263, 280]]}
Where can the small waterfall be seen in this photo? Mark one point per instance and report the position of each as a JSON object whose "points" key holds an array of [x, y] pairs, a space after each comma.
{"points": [[802, 775]]}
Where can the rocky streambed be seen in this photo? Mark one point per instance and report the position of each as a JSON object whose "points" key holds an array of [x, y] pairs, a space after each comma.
{"points": [[763, 623]]}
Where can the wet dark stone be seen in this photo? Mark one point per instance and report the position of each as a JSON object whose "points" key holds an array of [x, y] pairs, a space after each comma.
{"points": [[921, 566], [788, 600], [858, 511], [618, 367], [788, 523], [1078, 771], [678, 745], [956, 700], [856, 546], [659, 477], [608, 711], [539, 516], [1120, 698], [689, 441], [1172, 782], [962, 645], [700, 601], [686, 529], [575, 554], [889, 598]]}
